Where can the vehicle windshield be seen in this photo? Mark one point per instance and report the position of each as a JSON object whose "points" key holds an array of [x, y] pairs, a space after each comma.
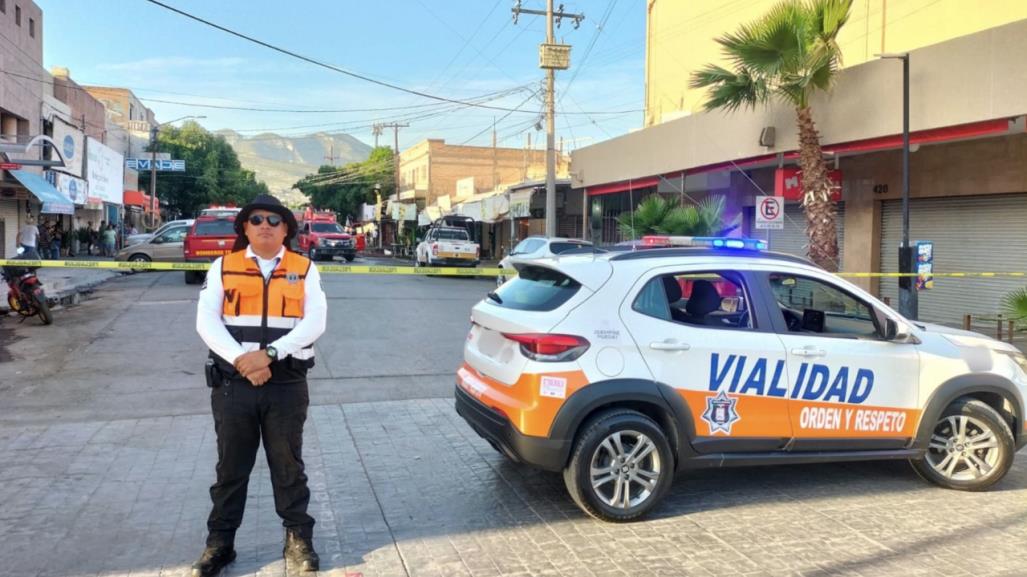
{"points": [[451, 234], [330, 227], [219, 227]]}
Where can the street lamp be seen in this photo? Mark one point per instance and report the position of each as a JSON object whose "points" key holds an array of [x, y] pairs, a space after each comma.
{"points": [[907, 287], [153, 165]]}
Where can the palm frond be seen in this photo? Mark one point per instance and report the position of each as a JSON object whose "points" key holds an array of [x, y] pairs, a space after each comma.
{"points": [[1014, 304], [734, 91], [645, 219]]}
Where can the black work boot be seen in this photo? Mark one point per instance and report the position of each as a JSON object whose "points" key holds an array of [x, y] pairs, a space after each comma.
{"points": [[213, 560], [299, 549]]}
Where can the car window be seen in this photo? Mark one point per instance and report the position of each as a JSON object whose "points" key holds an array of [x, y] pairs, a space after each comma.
{"points": [[176, 234], [450, 234], [562, 247], [528, 246], [816, 307], [326, 227], [713, 299], [536, 289], [219, 227]]}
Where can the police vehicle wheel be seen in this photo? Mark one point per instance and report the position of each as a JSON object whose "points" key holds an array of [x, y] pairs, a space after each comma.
{"points": [[971, 448], [621, 466]]}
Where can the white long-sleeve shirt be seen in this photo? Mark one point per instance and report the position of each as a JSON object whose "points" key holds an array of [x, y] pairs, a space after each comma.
{"points": [[210, 316]]}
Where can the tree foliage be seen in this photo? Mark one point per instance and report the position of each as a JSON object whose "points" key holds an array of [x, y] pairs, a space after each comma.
{"points": [[213, 173], [789, 54], [344, 188], [657, 215]]}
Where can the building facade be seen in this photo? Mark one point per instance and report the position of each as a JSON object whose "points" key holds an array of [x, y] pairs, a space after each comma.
{"points": [[21, 97], [680, 36], [968, 166]]}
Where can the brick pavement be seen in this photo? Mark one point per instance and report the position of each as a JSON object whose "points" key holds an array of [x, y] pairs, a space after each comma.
{"points": [[405, 488]]}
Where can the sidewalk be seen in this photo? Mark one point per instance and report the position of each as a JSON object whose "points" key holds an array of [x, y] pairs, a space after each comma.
{"points": [[65, 283]]}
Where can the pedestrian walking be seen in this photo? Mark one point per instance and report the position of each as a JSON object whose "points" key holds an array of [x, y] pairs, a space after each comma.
{"points": [[43, 240], [28, 238], [94, 238], [55, 241], [260, 311], [110, 236]]}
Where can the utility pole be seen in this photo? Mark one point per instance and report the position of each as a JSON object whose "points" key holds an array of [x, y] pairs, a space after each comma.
{"points": [[552, 57], [395, 126], [330, 157]]}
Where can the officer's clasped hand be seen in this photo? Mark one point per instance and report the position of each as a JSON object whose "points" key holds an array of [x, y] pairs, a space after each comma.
{"points": [[252, 365]]}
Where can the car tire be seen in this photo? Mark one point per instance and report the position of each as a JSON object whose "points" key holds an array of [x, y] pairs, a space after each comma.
{"points": [[350, 257], [606, 443], [194, 277], [953, 462]]}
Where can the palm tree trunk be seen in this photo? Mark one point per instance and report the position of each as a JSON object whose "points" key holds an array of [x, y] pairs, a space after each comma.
{"points": [[821, 211]]}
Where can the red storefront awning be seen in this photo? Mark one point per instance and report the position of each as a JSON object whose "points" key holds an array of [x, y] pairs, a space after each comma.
{"points": [[136, 198]]}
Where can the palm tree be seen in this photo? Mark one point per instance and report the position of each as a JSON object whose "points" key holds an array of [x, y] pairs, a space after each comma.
{"points": [[657, 215], [790, 53], [1015, 305]]}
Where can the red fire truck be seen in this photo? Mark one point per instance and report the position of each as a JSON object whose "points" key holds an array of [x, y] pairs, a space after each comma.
{"points": [[320, 237]]}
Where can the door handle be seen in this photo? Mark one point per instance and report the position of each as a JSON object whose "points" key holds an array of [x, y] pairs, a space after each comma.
{"points": [[669, 346], [808, 352]]}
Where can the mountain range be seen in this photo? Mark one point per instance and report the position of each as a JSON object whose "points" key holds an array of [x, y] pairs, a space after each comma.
{"points": [[280, 161]]}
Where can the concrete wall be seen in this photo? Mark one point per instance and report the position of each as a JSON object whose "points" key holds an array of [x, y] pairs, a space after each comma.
{"points": [[972, 78], [83, 105], [21, 54], [681, 37], [122, 106]]}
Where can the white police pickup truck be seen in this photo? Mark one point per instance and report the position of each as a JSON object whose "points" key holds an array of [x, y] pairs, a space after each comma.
{"points": [[447, 246], [621, 369]]}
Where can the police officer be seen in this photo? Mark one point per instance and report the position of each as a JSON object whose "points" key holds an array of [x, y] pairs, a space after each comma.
{"points": [[260, 311]]}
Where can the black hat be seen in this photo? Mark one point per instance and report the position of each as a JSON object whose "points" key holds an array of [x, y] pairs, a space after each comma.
{"points": [[269, 203]]}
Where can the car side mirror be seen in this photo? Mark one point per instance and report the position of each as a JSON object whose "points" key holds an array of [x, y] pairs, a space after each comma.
{"points": [[890, 330], [157, 240]]}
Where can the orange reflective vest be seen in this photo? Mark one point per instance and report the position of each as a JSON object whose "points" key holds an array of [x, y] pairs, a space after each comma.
{"points": [[257, 312]]}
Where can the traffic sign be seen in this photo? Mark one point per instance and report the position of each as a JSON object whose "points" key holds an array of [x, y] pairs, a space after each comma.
{"points": [[770, 212]]}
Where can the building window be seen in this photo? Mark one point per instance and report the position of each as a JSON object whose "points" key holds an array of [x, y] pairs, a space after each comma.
{"points": [[17, 15], [32, 27]]}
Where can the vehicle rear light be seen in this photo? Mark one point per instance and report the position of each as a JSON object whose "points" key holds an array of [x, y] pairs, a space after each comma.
{"points": [[477, 251], [550, 348], [435, 249]]}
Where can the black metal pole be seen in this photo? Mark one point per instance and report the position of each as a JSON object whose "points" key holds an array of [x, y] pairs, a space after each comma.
{"points": [[907, 257]]}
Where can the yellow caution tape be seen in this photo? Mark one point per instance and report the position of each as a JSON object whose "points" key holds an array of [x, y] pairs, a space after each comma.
{"points": [[325, 268], [409, 270]]}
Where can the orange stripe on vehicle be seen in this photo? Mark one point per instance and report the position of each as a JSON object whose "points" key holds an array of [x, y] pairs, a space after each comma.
{"points": [[757, 416], [836, 420], [523, 402]]}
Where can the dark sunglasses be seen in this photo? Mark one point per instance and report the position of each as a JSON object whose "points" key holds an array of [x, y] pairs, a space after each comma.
{"points": [[272, 219]]}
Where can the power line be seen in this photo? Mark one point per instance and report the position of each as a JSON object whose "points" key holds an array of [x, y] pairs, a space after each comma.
{"points": [[486, 129], [327, 66]]}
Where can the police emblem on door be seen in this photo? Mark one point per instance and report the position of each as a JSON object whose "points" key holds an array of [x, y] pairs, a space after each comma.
{"points": [[720, 413]]}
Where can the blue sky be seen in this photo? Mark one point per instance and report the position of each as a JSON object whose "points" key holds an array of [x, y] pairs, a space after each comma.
{"points": [[454, 48]]}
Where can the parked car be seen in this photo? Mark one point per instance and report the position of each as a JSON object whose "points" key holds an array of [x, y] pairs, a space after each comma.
{"points": [[447, 246], [621, 370], [535, 247], [163, 247], [145, 236], [210, 237]]}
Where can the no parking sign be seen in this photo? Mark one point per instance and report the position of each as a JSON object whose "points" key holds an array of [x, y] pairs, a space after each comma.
{"points": [[770, 212]]}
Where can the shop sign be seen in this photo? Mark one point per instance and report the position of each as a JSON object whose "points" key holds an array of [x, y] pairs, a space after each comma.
{"points": [[788, 183], [106, 172], [69, 141], [163, 165], [9, 166]]}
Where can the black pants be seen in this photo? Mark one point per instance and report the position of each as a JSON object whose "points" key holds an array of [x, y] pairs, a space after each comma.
{"points": [[245, 415]]}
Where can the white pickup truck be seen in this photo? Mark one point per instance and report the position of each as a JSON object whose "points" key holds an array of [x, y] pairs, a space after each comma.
{"points": [[447, 246]]}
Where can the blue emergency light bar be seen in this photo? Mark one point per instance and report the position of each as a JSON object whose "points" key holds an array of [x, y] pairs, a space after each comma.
{"points": [[725, 242]]}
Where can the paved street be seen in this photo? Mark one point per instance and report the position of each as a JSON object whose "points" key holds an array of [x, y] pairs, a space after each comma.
{"points": [[107, 446]]}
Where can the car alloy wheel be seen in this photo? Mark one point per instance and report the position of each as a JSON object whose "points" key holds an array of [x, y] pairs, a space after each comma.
{"points": [[625, 468], [963, 448]]}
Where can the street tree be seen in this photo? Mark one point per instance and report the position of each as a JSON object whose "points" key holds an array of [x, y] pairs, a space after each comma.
{"points": [[343, 189], [213, 174], [788, 54]]}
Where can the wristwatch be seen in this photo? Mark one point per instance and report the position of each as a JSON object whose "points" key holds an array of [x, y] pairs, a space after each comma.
{"points": [[272, 352]]}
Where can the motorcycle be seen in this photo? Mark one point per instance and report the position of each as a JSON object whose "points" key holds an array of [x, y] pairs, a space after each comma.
{"points": [[25, 293]]}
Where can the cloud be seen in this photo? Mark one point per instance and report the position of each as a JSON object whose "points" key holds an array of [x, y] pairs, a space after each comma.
{"points": [[166, 64]]}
